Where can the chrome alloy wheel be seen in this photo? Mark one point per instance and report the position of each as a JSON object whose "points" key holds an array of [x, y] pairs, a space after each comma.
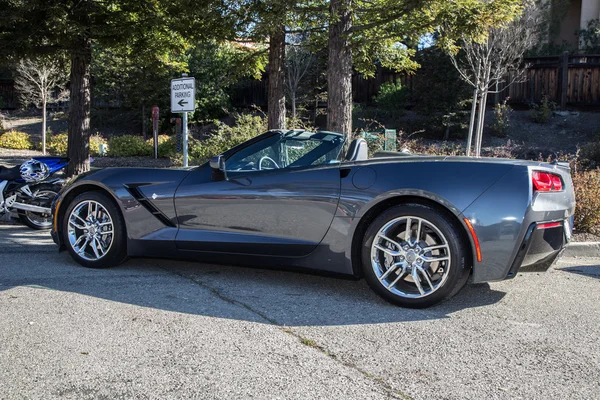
{"points": [[411, 257], [90, 230], [41, 198]]}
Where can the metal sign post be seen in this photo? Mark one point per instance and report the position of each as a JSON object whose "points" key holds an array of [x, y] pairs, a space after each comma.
{"points": [[183, 100], [185, 140], [155, 115]]}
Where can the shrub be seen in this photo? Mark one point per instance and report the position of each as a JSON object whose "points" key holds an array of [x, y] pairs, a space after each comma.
{"points": [[542, 112], [587, 195], [167, 145], [590, 152], [57, 144], [129, 146], [501, 122], [95, 142], [225, 137], [15, 140], [391, 97]]}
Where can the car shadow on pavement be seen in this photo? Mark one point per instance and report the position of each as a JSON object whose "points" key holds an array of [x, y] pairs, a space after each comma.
{"points": [[260, 295], [266, 296], [592, 271]]}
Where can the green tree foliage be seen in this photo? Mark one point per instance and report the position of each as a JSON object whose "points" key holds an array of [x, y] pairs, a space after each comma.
{"points": [[387, 32], [217, 67], [590, 37], [157, 27]]}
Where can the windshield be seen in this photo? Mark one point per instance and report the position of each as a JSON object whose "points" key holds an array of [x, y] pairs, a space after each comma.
{"points": [[291, 149]]}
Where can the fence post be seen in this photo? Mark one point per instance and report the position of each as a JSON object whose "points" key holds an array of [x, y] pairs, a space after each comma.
{"points": [[564, 76]]}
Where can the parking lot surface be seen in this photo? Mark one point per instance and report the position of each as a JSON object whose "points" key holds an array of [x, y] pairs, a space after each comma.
{"points": [[170, 329]]}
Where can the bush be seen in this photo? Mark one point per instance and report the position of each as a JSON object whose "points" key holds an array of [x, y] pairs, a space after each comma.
{"points": [[225, 137], [129, 146], [391, 97], [587, 195], [167, 145], [591, 152], [541, 113], [95, 142], [501, 122], [15, 140], [57, 144]]}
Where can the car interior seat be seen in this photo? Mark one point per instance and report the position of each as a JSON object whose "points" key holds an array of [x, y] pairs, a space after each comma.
{"points": [[358, 150]]}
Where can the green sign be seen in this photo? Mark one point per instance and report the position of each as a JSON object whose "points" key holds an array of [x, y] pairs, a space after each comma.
{"points": [[390, 140]]}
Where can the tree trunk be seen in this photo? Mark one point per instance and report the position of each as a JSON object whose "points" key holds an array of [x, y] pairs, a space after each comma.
{"points": [[339, 69], [144, 121], [44, 123], [472, 122], [79, 114], [276, 102], [485, 96], [480, 121], [293, 103]]}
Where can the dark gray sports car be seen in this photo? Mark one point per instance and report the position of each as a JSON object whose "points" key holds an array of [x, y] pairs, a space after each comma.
{"points": [[414, 227]]}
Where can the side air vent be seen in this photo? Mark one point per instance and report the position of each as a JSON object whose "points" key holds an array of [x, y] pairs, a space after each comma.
{"points": [[137, 194]]}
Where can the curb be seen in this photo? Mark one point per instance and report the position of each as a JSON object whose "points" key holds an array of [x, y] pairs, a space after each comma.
{"points": [[582, 249]]}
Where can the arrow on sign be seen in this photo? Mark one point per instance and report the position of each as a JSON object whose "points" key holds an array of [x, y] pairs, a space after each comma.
{"points": [[182, 102]]}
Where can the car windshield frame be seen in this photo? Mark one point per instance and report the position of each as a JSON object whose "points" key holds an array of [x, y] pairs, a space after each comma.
{"points": [[330, 145]]}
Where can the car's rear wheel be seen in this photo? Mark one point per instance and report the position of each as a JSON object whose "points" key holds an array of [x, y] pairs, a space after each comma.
{"points": [[414, 256], [94, 231]]}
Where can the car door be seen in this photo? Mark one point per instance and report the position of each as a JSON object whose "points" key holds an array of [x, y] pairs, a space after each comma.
{"points": [[284, 211]]}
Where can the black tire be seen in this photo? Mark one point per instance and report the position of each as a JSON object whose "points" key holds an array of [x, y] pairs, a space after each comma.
{"points": [[458, 268], [35, 220], [117, 253]]}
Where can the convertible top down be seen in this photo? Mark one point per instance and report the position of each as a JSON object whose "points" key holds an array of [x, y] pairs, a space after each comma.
{"points": [[415, 227]]}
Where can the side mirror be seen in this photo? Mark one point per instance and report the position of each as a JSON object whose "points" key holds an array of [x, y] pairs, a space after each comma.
{"points": [[217, 163]]}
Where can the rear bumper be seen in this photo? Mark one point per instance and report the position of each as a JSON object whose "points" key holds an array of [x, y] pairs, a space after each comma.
{"points": [[541, 247]]}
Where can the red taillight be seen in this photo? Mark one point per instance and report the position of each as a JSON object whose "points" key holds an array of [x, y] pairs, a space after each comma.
{"points": [[546, 182], [548, 225], [557, 182]]}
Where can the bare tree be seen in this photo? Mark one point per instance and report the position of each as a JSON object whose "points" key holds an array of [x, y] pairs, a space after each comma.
{"points": [[499, 59], [298, 62], [41, 82]]}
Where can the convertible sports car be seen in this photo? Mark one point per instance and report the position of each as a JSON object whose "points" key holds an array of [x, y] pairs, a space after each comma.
{"points": [[414, 227]]}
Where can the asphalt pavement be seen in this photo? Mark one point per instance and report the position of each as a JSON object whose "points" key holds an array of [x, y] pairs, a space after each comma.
{"points": [[168, 329]]}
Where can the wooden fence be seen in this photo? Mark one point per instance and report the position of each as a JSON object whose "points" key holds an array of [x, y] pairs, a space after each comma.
{"points": [[565, 80]]}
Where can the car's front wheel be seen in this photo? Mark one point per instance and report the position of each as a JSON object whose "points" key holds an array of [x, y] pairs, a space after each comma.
{"points": [[414, 256], [93, 231]]}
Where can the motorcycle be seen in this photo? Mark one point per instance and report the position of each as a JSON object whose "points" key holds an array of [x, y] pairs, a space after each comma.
{"points": [[29, 189]]}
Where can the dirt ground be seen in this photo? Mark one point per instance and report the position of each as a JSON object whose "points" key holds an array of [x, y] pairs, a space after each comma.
{"points": [[561, 133]]}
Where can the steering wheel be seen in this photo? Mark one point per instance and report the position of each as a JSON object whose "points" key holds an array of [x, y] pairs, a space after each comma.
{"points": [[263, 158]]}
